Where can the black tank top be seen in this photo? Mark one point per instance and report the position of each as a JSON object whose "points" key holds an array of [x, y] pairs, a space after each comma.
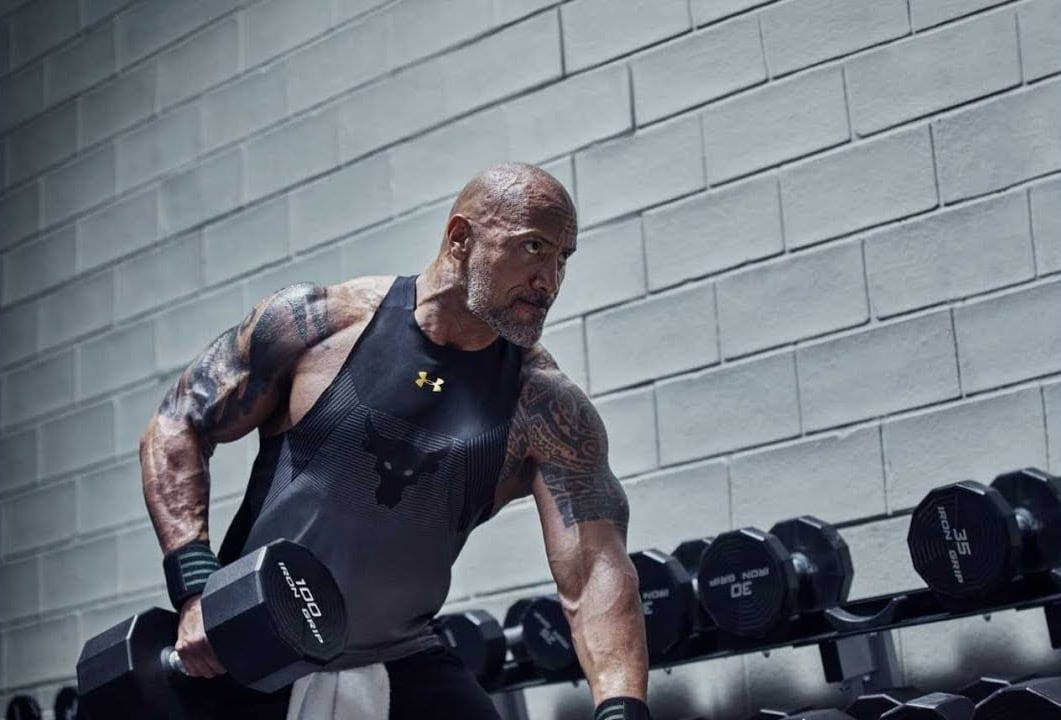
{"points": [[387, 474]]}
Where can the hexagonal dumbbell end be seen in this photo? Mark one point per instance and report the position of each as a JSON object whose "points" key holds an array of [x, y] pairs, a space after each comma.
{"points": [[274, 615], [935, 706], [666, 599], [547, 636], [476, 637], [872, 705], [964, 541], [1039, 699], [822, 561], [982, 688], [1035, 497]]}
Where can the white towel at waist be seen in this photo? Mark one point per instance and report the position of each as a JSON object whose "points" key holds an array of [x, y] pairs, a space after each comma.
{"points": [[356, 694]]}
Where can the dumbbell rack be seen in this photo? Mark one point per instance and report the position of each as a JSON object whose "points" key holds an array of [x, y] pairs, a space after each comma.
{"points": [[854, 639]]}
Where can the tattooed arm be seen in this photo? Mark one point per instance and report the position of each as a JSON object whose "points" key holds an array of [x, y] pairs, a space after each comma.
{"points": [[233, 387], [584, 515]]}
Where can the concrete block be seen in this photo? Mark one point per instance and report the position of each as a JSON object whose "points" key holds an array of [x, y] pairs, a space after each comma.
{"points": [[257, 236], [881, 558], [74, 188], [506, 11], [79, 574], [110, 497], [836, 478], [425, 168], [346, 9], [1010, 645], [1046, 226], [77, 309], [697, 68], [630, 420], [209, 189], [599, 30], [21, 210], [662, 335], [342, 202], [508, 551], [568, 115], [1000, 143], [563, 169], [230, 469], [337, 62], [148, 26], [806, 32], [23, 93], [46, 649], [22, 592], [419, 28], [1052, 406], [39, 26], [116, 359], [858, 187], [566, 342], [92, 11], [97, 619], [779, 122], [938, 70], [184, 332], [677, 504], [41, 143], [974, 440], [77, 440], [39, 388], [40, 518], [401, 247], [878, 371], [134, 410], [156, 278], [273, 27], [1040, 38], [606, 269], [996, 343], [222, 512], [735, 406], [926, 13], [708, 11], [81, 65], [323, 267], [19, 451], [645, 169], [296, 151], [237, 109], [139, 560], [158, 147], [789, 677], [950, 255], [117, 104], [5, 63], [797, 297], [118, 230], [38, 265], [18, 327], [206, 59]]}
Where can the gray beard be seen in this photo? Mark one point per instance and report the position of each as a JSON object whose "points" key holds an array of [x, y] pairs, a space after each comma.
{"points": [[500, 320]]}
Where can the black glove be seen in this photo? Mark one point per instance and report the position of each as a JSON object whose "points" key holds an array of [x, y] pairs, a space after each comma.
{"points": [[622, 708]]}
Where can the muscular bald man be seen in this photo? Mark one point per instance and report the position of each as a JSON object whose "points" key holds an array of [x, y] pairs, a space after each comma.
{"points": [[395, 415]]}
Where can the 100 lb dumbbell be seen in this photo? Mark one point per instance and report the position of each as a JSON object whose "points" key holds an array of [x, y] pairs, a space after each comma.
{"points": [[272, 616]]}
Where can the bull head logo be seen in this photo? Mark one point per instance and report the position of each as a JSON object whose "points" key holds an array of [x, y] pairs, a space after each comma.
{"points": [[399, 464]]}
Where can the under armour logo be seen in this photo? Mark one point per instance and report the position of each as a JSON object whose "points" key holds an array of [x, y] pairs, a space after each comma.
{"points": [[436, 385]]}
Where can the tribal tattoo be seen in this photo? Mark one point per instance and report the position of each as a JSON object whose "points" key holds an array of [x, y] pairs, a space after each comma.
{"points": [[563, 432], [241, 366]]}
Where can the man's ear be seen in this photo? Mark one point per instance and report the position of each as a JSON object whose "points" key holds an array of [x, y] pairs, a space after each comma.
{"points": [[458, 236]]}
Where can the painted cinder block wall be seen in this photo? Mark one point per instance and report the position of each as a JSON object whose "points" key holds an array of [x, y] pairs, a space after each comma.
{"points": [[818, 267]]}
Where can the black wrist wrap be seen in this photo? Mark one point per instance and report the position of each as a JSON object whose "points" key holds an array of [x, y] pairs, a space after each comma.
{"points": [[187, 569], [622, 708]]}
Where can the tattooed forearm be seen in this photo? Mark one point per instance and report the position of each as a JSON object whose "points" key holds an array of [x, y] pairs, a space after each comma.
{"points": [[569, 441]]}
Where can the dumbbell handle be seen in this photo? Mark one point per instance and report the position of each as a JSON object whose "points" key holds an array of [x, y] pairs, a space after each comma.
{"points": [[171, 660]]}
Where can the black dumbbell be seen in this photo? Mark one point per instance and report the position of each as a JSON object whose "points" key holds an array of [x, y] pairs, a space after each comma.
{"points": [[67, 706], [934, 706], [969, 541], [477, 638], [667, 600], [982, 688], [272, 616], [822, 714], [872, 705], [536, 632], [23, 707], [1039, 699], [752, 583]]}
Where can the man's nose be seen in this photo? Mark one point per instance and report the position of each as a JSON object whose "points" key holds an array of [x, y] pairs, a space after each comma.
{"points": [[547, 278]]}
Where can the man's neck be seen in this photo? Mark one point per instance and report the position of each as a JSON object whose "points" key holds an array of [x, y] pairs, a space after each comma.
{"points": [[442, 311]]}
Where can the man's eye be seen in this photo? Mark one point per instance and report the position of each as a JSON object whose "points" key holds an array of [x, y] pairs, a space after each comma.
{"points": [[533, 246]]}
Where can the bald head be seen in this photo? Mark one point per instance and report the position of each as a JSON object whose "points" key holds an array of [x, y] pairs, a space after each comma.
{"points": [[512, 192]]}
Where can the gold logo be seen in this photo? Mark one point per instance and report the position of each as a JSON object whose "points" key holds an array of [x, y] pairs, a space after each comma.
{"points": [[436, 385]]}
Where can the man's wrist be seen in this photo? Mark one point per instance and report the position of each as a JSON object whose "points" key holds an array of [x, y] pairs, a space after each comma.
{"points": [[622, 708], [187, 569]]}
